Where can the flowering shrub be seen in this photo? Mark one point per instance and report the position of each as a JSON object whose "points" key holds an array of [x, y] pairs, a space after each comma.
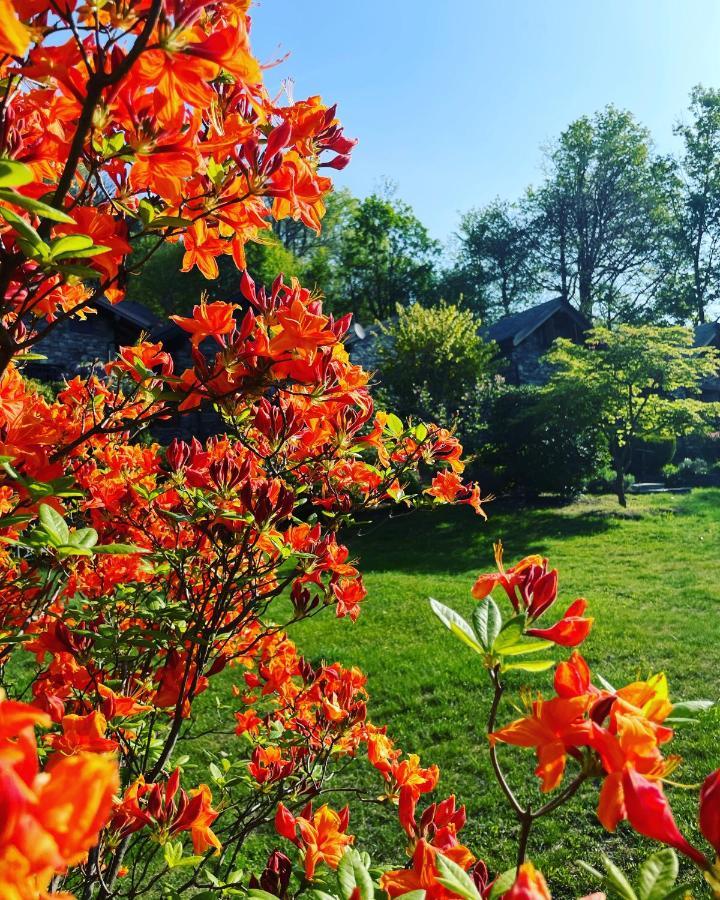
{"points": [[133, 574]]}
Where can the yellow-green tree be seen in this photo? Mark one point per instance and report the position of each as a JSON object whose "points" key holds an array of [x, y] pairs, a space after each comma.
{"points": [[637, 381]]}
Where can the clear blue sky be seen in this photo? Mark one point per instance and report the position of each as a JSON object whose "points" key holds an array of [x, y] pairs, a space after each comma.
{"points": [[452, 99]]}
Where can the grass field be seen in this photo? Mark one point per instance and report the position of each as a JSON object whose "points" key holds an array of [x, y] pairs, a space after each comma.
{"points": [[651, 576]]}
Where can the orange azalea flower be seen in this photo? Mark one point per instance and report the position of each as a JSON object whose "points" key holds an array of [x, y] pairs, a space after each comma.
{"points": [[300, 330], [569, 631], [572, 677], [48, 820], [83, 733], [202, 249], [529, 885], [14, 36], [322, 835], [554, 727], [530, 585], [198, 818], [176, 78], [423, 876], [208, 320], [448, 487], [349, 592], [105, 231], [120, 705], [649, 813]]}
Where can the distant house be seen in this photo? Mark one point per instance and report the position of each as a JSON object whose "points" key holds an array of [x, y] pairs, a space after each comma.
{"points": [[708, 335], [74, 346], [524, 337]]}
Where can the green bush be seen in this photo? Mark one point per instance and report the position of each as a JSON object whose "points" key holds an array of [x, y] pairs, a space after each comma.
{"points": [[650, 455], [603, 481], [433, 364], [536, 444]]}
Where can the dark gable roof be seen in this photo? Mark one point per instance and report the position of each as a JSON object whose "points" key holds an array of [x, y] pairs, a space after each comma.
{"points": [[519, 326], [707, 333], [130, 311]]}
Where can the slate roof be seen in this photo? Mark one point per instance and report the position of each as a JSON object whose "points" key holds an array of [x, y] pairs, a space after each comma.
{"points": [[518, 326], [707, 333], [130, 311]]}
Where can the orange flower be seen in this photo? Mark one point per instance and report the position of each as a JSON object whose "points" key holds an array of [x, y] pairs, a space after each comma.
{"points": [[423, 876], [300, 330], [14, 36], [83, 733], [322, 835], [198, 818], [208, 320], [572, 677], [176, 78], [48, 820], [554, 727], [569, 631], [529, 885]]}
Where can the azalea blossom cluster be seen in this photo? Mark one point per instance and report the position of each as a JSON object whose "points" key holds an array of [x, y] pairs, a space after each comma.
{"points": [[132, 574]]}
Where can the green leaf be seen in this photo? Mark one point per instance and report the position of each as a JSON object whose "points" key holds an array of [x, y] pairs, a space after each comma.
{"points": [[260, 894], [119, 548], [658, 874], [351, 873], [37, 207], [689, 709], [455, 878], [617, 880], [487, 622], [173, 851], [70, 245], [53, 524], [84, 537], [592, 871], [412, 895], [510, 634], [72, 550], [14, 174], [170, 222], [23, 228], [394, 425], [421, 433], [503, 883], [456, 624], [522, 648], [531, 665], [605, 683], [95, 250]]}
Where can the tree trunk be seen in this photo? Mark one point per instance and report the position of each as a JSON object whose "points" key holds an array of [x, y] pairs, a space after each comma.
{"points": [[620, 483]]}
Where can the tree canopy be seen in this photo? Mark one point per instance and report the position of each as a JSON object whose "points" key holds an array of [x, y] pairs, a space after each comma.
{"points": [[637, 381]]}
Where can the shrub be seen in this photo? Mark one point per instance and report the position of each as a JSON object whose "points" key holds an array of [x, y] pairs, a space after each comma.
{"points": [[650, 455], [537, 445], [433, 363], [604, 481]]}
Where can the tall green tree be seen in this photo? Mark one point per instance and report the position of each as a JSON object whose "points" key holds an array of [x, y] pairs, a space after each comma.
{"points": [[637, 382], [695, 282], [386, 257], [601, 215], [494, 269]]}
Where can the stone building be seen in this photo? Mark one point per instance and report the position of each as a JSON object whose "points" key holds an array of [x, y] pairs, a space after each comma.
{"points": [[708, 335], [75, 346], [524, 337]]}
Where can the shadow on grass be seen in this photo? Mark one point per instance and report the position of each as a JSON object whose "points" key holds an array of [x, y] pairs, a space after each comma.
{"points": [[446, 540]]}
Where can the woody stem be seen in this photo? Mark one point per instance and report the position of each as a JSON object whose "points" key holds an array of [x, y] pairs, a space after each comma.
{"points": [[492, 718]]}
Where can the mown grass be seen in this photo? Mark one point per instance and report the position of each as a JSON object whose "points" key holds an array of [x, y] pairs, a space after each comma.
{"points": [[651, 576]]}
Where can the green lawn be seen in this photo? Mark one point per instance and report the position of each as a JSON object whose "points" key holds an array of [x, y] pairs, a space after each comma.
{"points": [[651, 576]]}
